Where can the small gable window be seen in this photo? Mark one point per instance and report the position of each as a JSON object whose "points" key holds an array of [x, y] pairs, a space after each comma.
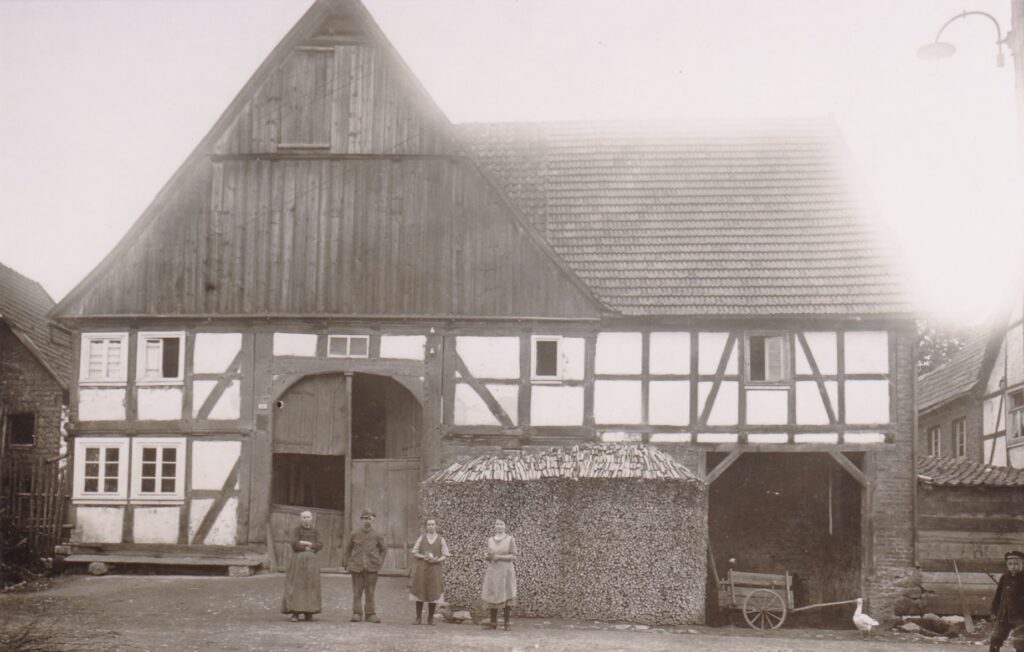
{"points": [[547, 358], [766, 358], [935, 441], [21, 429], [161, 357], [1015, 416], [960, 437], [104, 358], [348, 346]]}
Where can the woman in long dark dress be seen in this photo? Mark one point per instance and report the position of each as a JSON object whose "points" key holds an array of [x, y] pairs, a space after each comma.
{"points": [[427, 582], [302, 581]]}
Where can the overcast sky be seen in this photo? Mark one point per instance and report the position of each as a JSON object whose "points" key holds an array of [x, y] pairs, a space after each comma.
{"points": [[101, 101]]}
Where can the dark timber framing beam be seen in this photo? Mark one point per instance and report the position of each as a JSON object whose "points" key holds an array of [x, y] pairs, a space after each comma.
{"points": [[721, 467], [851, 468]]}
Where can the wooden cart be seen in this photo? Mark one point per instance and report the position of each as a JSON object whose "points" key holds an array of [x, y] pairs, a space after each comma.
{"points": [[763, 598]]}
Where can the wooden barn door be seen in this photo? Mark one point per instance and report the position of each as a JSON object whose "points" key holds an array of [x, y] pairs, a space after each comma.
{"points": [[390, 488], [312, 425]]}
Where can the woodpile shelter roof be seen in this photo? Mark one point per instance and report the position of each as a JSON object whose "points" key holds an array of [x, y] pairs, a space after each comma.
{"points": [[607, 461], [960, 472], [665, 219]]}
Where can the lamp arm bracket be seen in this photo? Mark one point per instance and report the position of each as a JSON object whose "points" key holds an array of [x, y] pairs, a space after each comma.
{"points": [[1000, 39]]}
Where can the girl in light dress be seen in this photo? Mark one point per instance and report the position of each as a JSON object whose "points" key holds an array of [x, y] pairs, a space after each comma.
{"points": [[499, 590]]}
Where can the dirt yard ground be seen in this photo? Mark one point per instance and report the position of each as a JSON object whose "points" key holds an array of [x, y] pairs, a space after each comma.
{"points": [[136, 612]]}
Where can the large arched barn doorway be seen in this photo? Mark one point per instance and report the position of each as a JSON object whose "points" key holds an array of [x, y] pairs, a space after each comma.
{"points": [[342, 443]]}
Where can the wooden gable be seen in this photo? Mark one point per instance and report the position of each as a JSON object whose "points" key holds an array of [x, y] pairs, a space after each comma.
{"points": [[332, 185]]}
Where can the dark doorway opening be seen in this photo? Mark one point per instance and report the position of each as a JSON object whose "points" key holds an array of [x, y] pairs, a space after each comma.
{"points": [[309, 481], [796, 512]]}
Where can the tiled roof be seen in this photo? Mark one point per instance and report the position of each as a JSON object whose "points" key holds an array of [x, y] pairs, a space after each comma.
{"points": [[663, 219], [957, 376], [23, 306], [959, 472]]}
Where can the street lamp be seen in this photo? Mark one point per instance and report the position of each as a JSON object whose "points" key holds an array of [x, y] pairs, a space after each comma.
{"points": [[942, 50]]}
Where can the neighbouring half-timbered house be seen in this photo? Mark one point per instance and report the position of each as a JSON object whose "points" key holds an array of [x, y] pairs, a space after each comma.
{"points": [[339, 291], [973, 406]]}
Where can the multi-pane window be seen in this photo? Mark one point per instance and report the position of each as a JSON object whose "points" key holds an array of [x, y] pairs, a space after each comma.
{"points": [[348, 346], [960, 437], [101, 465], [766, 358], [546, 358], [935, 440], [104, 358], [158, 465], [160, 357], [21, 429]]}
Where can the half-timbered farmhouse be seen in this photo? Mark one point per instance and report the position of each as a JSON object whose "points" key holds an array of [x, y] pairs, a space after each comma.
{"points": [[973, 406], [339, 292]]}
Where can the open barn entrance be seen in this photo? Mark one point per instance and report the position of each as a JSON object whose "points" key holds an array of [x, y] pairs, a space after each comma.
{"points": [[342, 443], [796, 512]]}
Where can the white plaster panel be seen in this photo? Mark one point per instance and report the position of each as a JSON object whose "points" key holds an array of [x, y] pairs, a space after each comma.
{"points": [[229, 406], [670, 353], [621, 437], [99, 524], [224, 528], [810, 408], [403, 347], [992, 415], [212, 462], [302, 345], [864, 438], [1018, 308], [1016, 455], [617, 401], [998, 370], [768, 438], [619, 353], [1014, 356], [554, 405], [155, 524], [159, 403], [670, 438], [489, 357], [101, 404], [867, 401], [470, 409], [214, 352], [573, 358], [823, 349], [866, 352], [716, 438], [986, 446], [725, 411], [816, 438], [669, 402], [710, 353], [999, 454], [767, 406]]}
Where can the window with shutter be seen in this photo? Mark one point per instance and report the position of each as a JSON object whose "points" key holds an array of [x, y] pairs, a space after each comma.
{"points": [[767, 358]]}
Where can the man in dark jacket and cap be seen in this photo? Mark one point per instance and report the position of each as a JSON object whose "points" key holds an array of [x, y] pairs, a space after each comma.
{"points": [[1008, 605], [363, 556]]}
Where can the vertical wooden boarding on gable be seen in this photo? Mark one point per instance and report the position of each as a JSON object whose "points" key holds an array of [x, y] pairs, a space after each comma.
{"points": [[305, 109]]}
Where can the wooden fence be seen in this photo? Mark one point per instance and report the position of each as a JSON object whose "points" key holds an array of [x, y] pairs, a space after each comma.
{"points": [[33, 502]]}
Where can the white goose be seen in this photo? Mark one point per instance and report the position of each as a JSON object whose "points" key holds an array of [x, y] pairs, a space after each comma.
{"points": [[862, 621]]}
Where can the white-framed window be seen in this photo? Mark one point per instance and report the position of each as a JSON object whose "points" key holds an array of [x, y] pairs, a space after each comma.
{"points": [[158, 469], [104, 358], [160, 358], [1015, 417], [101, 469], [960, 437], [935, 440], [348, 346], [767, 358], [546, 358]]}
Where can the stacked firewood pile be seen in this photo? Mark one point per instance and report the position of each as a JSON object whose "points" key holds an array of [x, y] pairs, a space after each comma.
{"points": [[605, 532]]}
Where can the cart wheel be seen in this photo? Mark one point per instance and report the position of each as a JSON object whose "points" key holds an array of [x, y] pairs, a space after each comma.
{"points": [[764, 609]]}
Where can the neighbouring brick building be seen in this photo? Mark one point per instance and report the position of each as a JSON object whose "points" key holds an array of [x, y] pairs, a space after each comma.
{"points": [[35, 364]]}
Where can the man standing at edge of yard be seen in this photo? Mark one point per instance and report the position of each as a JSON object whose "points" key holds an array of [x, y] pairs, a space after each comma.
{"points": [[363, 556], [1008, 605]]}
